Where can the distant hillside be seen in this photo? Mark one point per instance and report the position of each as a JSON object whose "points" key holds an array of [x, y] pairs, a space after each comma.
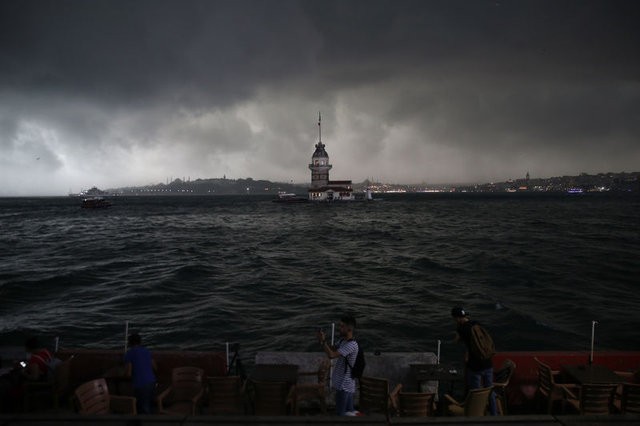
{"points": [[626, 182], [216, 186]]}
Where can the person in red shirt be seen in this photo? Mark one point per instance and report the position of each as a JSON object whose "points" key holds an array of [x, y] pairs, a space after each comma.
{"points": [[38, 363]]}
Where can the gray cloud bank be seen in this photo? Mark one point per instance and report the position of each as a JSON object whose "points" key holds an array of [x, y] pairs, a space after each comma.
{"points": [[114, 93]]}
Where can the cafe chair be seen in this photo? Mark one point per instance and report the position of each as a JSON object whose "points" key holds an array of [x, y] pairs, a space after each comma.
{"points": [[630, 399], [500, 382], [93, 398], [375, 396], [184, 394], [272, 398], [548, 390], [226, 395], [412, 404], [474, 405], [592, 399], [316, 390], [55, 388]]}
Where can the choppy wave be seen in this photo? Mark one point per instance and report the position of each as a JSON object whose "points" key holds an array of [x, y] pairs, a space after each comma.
{"points": [[195, 272]]}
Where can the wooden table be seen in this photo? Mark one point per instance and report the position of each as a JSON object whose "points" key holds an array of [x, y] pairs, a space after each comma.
{"points": [[590, 374], [275, 373]]}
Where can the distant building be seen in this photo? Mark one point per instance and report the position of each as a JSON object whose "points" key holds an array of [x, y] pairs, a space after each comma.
{"points": [[323, 189]]}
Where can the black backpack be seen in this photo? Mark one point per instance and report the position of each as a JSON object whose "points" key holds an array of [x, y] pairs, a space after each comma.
{"points": [[358, 367]]}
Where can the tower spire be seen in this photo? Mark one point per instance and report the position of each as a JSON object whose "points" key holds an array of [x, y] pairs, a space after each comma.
{"points": [[319, 127]]}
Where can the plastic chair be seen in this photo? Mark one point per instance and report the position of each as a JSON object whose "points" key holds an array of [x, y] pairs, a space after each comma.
{"points": [[500, 382], [314, 391], [226, 395], [272, 398], [375, 396], [548, 389], [474, 405], [592, 399], [184, 394], [93, 398], [413, 404]]}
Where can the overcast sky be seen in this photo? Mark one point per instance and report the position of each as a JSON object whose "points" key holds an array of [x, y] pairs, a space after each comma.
{"points": [[116, 93]]}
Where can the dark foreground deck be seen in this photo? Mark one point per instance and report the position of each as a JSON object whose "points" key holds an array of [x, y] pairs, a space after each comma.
{"points": [[111, 420]]}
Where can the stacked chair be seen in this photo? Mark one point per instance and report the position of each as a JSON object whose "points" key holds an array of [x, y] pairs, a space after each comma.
{"points": [[630, 399], [185, 393], [548, 390], [592, 399]]}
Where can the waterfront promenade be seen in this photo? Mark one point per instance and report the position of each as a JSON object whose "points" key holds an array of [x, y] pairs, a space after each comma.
{"points": [[530, 420]]}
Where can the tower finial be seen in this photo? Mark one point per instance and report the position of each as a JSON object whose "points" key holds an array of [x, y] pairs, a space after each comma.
{"points": [[319, 127]]}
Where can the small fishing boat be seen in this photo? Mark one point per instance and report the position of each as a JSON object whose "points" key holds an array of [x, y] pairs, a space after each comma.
{"points": [[95, 203], [288, 197]]}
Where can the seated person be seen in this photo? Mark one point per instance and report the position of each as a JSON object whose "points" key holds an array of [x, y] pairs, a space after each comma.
{"points": [[38, 363], [35, 369]]}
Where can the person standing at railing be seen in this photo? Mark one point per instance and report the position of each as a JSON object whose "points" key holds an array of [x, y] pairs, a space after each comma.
{"points": [[140, 366], [346, 351], [478, 365]]}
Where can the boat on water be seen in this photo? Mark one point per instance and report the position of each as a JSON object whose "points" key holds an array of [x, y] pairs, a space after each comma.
{"points": [[95, 203], [289, 197], [92, 192]]}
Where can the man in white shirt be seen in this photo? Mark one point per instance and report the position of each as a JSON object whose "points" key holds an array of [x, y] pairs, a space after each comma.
{"points": [[346, 350]]}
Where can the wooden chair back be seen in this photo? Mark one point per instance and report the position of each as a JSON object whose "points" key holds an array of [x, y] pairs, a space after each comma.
{"points": [[374, 395], [630, 402], [93, 397], [415, 404], [226, 394], [270, 398]]}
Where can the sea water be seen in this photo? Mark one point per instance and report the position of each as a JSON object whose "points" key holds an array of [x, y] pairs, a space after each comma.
{"points": [[196, 272]]}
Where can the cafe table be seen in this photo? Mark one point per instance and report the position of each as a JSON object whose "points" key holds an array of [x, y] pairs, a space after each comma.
{"points": [[275, 373], [590, 374], [421, 373]]}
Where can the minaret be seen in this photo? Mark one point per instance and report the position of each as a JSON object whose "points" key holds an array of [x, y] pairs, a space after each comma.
{"points": [[319, 162]]}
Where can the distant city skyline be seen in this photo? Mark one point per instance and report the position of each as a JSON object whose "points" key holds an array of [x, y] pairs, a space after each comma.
{"points": [[118, 93], [602, 182]]}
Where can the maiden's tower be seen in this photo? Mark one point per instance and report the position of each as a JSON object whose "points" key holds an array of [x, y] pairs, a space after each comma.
{"points": [[323, 189]]}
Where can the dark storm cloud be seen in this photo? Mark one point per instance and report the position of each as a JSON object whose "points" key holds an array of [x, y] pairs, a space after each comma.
{"points": [[410, 90], [138, 51]]}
